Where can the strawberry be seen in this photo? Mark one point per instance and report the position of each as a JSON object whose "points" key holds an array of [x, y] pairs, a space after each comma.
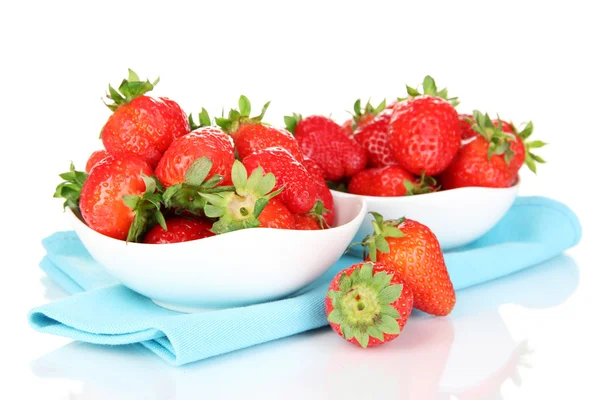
{"points": [[424, 133], [362, 116], [94, 158], [493, 159], [141, 125], [250, 135], [326, 142], [373, 137], [208, 142], [241, 207], [414, 253], [300, 192], [388, 181], [118, 198], [507, 127], [368, 304], [323, 192], [179, 230], [312, 220], [466, 129], [276, 215]]}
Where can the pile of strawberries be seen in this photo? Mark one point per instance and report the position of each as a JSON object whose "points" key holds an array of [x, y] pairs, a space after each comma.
{"points": [[418, 144], [162, 179]]}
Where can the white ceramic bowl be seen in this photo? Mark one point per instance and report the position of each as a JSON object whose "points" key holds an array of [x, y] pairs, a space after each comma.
{"points": [[457, 216], [234, 269]]}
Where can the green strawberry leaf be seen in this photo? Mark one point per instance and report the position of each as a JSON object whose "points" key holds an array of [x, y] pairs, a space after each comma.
{"points": [[388, 325], [390, 311], [373, 331], [335, 316], [390, 294]]}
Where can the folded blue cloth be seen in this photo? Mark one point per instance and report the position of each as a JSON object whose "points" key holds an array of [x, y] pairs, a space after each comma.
{"points": [[103, 311]]}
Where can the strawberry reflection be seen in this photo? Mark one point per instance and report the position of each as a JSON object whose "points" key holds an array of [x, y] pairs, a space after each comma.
{"points": [[468, 355]]}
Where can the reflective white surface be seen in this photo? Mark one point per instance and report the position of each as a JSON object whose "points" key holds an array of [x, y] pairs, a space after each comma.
{"points": [[512, 57]]}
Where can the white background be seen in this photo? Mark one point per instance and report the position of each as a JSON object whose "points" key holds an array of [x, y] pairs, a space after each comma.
{"points": [[525, 60]]}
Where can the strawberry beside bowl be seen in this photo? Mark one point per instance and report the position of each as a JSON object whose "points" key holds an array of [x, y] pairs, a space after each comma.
{"points": [[456, 216], [234, 269]]}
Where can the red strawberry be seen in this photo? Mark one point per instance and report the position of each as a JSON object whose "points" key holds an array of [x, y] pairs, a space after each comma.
{"points": [[208, 142], [368, 304], [424, 133], [466, 130], [413, 251], [362, 116], [507, 127], [179, 230], [493, 159], [250, 135], [118, 198], [276, 215], [300, 193], [140, 125], [373, 137], [387, 181], [242, 207], [306, 222], [95, 157], [326, 142], [323, 193], [348, 126]]}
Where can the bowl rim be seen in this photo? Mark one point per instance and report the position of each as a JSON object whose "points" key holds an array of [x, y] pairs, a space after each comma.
{"points": [[76, 217], [441, 193]]}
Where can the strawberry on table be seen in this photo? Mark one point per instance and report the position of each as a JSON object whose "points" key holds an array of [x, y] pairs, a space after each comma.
{"points": [[413, 252], [250, 134], [141, 125], [179, 230], [388, 181], [94, 158], [300, 193], [119, 198], [424, 133], [368, 304], [493, 158], [326, 143]]}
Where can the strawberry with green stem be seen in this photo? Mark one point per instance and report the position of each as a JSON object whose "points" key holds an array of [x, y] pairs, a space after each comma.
{"points": [[368, 304], [241, 208], [250, 134], [412, 250], [390, 181], [362, 116], [140, 125], [494, 157], [424, 132]]}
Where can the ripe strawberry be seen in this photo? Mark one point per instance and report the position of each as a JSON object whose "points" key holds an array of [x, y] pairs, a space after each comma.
{"points": [[276, 215], [300, 193], [424, 133], [326, 142], [179, 230], [368, 304], [507, 127], [388, 181], [312, 220], [118, 198], [373, 137], [242, 207], [323, 192], [466, 129], [140, 125], [413, 251], [95, 157], [362, 116], [208, 142], [249, 134], [493, 159]]}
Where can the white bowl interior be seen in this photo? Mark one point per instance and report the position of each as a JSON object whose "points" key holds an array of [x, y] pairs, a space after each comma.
{"points": [[234, 269]]}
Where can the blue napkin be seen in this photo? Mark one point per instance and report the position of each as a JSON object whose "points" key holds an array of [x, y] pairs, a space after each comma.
{"points": [[103, 311]]}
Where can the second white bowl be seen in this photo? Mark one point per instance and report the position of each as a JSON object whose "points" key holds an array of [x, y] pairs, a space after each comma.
{"points": [[457, 217]]}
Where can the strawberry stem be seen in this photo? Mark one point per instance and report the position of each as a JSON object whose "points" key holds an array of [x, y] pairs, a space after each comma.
{"points": [[70, 189], [129, 89], [241, 116]]}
